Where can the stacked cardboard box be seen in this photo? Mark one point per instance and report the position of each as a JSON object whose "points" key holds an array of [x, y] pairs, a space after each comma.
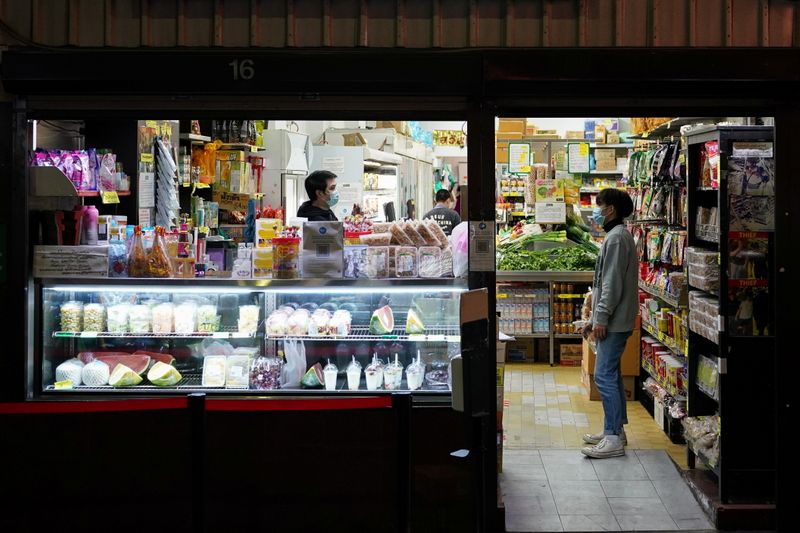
{"points": [[629, 366], [605, 159], [571, 354]]}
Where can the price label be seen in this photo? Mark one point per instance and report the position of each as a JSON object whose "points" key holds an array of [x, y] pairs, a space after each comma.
{"points": [[89, 335], [583, 150], [110, 197], [147, 158], [219, 335]]}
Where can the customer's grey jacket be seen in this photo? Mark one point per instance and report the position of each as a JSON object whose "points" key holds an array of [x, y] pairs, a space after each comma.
{"points": [[615, 298]]}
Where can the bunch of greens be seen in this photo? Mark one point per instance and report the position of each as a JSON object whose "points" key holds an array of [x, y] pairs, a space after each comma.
{"points": [[554, 259]]}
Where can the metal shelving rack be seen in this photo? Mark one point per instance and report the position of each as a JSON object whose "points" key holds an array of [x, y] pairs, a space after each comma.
{"points": [[743, 476], [550, 278]]}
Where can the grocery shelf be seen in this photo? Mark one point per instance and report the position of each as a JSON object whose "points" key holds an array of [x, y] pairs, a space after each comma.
{"points": [[707, 189], [604, 172], [422, 284], [673, 127], [229, 334], [668, 341], [362, 333], [703, 459], [668, 298], [531, 335], [614, 145], [707, 240], [670, 390], [647, 221], [568, 336], [195, 137], [545, 275]]}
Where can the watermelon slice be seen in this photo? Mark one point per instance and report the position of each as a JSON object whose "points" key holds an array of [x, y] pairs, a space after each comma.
{"points": [[382, 321], [88, 357], [136, 362], [157, 357], [414, 323], [313, 378]]}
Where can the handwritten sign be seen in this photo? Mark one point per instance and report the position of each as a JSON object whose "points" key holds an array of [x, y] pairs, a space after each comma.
{"points": [[519, 156], [70, 261], [449, 138], [230, 201], [147, 189], [578, 157], [110, 197], [551, 213]]}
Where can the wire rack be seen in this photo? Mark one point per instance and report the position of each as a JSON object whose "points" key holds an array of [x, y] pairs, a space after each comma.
{"points": [[188, 381], [223, 333]]}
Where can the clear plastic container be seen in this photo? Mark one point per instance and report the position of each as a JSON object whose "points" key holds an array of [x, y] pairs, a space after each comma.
{"points": [[164, 318], [214, 367], [701, 256], [374, 374], [429, 262], [265, 373], [94, 317], [447, 262], [140, 319], [71, 316], [353, 374], [207, 318], [118, 318], [186, 318], [331, 373], [377, 239], [248, 319], [704, 270], [378, 262], [415, 375], [405, 262], [393, 375], [710, 284], [355, 262]]}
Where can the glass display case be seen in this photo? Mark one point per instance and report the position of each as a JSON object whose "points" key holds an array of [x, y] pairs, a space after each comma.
{"points": [[240, 337]]}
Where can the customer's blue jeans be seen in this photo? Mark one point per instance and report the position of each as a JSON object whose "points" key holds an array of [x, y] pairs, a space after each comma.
{"points": [[608, 378]]}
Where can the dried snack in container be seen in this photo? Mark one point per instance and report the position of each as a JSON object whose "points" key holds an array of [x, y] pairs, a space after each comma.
{"points": [[446, 261], [164, 318], [378, 262], [265, 373], [71, 316], [405, 262], [158, 262], [425, 233], [382, 227], [438, 232], [248, 319], [137, 259], [207, 318], [376, 239], [399, 235], [140, 319], [412, 232], [117, 259], [94, 317], [429, 262], [118, 318], [355, 262]]}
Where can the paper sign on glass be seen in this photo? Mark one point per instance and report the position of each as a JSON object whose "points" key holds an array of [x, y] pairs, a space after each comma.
{"points": [[578, 157], [519, 156]]}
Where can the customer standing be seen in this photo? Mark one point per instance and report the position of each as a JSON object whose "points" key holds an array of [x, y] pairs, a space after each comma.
{"points": [[615, 304], [442, 213]]}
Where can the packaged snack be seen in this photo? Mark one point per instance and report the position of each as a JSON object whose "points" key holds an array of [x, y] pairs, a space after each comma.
{"points": [[186, 318], [405, 262], [137, 259], [214, 371], [164, 318], [382, 227], [158, 262], [378, 262], [248, 319], [355, 262], [207, 318], [429, 262], [437, 231], [118, 318], [117, 259], [140, 319], [286, 258], [322, 255], [94, 317], [265, 373], [446, 261], [71, 316], [427, 236], [377, 239], [413, 234], [399, 236]]}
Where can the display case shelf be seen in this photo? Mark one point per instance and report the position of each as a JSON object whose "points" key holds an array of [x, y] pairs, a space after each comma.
{"points": [[318, 285], [362, 333], [230, 334]]}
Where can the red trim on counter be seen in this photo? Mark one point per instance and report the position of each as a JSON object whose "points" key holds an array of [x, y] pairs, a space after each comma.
{"points": [[338, 404], [92, 406]]}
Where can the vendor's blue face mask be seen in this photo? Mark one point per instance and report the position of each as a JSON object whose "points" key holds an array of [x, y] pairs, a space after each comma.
{"points": [[598, 216]]}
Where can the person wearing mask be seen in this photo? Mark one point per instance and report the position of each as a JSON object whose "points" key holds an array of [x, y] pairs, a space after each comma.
{"points": [[322, 197], [615, 304], [442, 213]]}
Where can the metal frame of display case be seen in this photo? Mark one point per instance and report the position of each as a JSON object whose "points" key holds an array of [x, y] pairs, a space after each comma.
{"points": [[550, 278]]}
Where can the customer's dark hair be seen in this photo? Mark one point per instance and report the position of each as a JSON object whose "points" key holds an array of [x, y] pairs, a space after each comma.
{"points": [[623, 205], [442, 195], [318, 181]]}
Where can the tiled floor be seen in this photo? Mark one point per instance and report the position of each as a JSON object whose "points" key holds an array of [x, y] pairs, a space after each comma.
{"points": [[548, 485]]}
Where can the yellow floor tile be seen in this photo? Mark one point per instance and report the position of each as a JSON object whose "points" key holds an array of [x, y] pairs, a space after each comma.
{"points": [[548, 409]]}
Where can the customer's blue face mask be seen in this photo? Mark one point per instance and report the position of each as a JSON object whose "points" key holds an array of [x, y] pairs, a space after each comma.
{"points": [[597, 216]]}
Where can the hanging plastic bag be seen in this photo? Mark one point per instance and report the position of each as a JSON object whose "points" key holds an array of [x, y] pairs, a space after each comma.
{"points": [[459, 242], [295, 367]]}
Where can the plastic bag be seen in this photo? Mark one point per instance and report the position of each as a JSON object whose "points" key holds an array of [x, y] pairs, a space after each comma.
{"points": [[295, 367], [459, 241], [215, 347]]}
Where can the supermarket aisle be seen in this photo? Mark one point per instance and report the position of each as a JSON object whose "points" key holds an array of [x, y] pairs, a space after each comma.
{"points": [[548, 485]]}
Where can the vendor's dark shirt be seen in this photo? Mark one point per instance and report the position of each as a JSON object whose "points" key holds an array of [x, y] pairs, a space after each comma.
{"points": [[315, 214], [445, 217]]}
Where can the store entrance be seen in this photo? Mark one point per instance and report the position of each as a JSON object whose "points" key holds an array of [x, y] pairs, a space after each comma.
{"points": [[699, 236]]}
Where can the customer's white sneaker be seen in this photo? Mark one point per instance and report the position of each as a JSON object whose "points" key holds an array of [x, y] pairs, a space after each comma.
{"points": [[610, 446], [588, 438]]}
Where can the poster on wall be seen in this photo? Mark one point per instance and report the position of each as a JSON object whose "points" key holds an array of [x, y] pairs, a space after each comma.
{"points": [[748, 255], [751, 193], [519, 157], [749, 308], [549, 190]]}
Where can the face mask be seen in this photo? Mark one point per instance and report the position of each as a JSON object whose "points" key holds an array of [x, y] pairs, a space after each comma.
{"points": [[597, 216], [334, 199]]}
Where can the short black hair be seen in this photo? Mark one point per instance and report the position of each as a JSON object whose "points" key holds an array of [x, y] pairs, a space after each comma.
{"points": [[318, 181], [442, 195], [623, 205]]}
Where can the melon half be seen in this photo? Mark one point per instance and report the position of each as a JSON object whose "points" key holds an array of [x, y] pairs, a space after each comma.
{"points": [[382, 321]]}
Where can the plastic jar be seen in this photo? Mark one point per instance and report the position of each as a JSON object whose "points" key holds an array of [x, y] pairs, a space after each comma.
{"points": [[285, 258]]}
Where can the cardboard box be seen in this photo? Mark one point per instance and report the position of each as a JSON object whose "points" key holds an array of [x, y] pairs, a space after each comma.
{"points": [[510, 135], [511, 125], [630, 363], [605, 154], [599, 134], [571, 355], [501, 374], [606, 165], [500, 397], [591, 392], [612, 137], [520, 350], [399, 126], [530, 130], [573, 134], [501, 352]]}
